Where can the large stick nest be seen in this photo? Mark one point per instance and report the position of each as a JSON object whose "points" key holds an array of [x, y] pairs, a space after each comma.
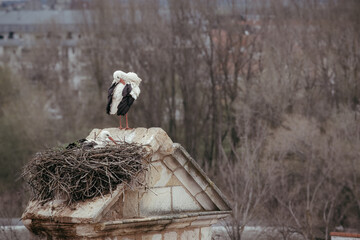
{"points": [[79, 173]]}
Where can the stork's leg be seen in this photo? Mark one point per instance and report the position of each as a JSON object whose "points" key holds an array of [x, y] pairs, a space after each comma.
{"points": [[127, 126], [120, 122]]}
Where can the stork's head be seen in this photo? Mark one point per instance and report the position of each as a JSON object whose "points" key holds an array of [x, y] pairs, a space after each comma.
{"points": [[133, 77], [118, 75], [104, 136]]}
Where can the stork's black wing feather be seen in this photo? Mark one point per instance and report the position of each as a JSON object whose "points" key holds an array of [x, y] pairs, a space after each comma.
{"points": [[125, 105], [76, 144], [126, 91], [110, 95], [126, 101]]}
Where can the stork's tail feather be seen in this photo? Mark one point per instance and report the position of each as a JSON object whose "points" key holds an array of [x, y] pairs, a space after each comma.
{"points": [[123, 109]]}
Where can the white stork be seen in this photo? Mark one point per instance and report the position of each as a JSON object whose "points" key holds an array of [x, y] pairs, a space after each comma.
{"points": [[101, 140], [122, 93]]}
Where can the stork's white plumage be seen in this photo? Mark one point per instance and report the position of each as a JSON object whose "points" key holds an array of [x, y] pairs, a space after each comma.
{"points": [[123, 91], [135, 81], [117, 93]]}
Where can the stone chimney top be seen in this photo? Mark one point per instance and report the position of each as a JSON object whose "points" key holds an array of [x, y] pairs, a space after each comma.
{"points": [[178, 199]]}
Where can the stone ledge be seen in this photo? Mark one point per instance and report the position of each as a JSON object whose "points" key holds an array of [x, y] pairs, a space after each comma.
{"points": [[166, 222], [202, 180], [201, 215], [156, 138], [79, 212]]}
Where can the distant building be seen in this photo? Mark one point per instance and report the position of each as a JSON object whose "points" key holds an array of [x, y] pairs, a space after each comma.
{"points": [[11, 5], [18, 24], [24, 32], [20, 30]]}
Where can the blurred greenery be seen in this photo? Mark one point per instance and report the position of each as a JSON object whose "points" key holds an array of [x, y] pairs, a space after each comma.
{"points": [[15, 148]]}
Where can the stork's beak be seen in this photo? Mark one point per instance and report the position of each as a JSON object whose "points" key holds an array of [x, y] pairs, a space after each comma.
{"points": [[112, 140]]}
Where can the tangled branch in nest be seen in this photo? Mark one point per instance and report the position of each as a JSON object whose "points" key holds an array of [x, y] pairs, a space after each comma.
{"points": [[80, 174]]}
